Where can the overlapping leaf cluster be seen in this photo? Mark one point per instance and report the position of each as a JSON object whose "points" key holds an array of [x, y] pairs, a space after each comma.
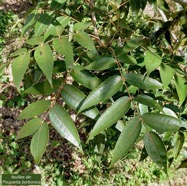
{"points": [[90, 56]]}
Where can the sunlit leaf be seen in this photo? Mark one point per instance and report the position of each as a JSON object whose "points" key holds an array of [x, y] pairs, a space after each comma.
{"points": [[166, 74]]}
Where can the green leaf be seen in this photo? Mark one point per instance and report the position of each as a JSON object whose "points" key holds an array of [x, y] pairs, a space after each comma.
{"points": [[35, 41], [34, 109], [115, 112], [44, 88], [178, 143], [127, 59], [135, 6], [63, 47], [63, 20], [156, 149], [64, 125], [132, 44], [19, 52], [101, 63], [29, 128], [152, 61], [54, 30], [39, 142], [42, 23], [162, 123], [19, 67], [149, 101], [61, 1], [166, 74], [126, 139], [2, 67], [84, 77], [142, 82], [181, 87], [44, 58], [74, 97], [81, 26], [84, 40], [104, 91]]}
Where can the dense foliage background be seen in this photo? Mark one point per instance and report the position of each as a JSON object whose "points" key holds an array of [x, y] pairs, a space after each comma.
{"points": [[105, 75]]}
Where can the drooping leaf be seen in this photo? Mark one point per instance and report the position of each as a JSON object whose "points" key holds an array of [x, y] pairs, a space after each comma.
{"points": [[181, 87], [44, 58], [84, 40], [35, 109], [142, 82], [127, 59], [166, 74], [115, 112], [19, 52], [178, 143], [63, 47], [152, 61], [74, 97], [149, 101], [156, 149], [42, 23], [84, 77], [44, 88], [126, 139], [101, 63], [29, 128], [103, 92], [161, 122], [35, 40], [64, 125], [19, 67], [39, 142], [133, 43]]}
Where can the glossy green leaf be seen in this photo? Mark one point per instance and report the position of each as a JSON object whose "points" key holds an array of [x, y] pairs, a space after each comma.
{"points": [[18, 52], [63, 20], [162, 123], [181, 87], [142, 82], [127, 59], [115, 112], [101, 63], [19, 67], [166, 74], [63, 47], [64, 125], [35, 41], [35, 109], [29, 128], [84, 77], [39, 142], [152, 61], [73, 97], [44, 88], [44, 58], [132, 44], [84, 40], [178, 143], [42, 23], [126, 139], [149, 101], [103, 92], [156, 149]]}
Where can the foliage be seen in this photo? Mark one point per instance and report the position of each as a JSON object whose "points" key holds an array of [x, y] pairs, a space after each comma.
{"points": [[109, 64]]}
